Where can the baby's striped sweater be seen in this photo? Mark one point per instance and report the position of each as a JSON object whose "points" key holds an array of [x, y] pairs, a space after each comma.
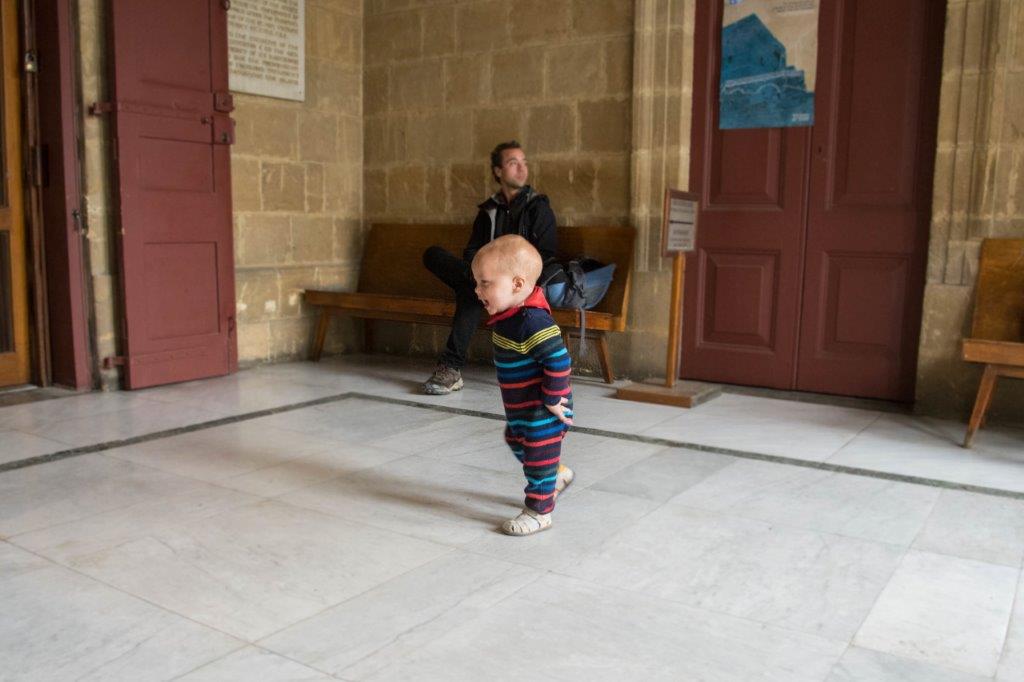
{"points": [[533, 371], [532, 362]]}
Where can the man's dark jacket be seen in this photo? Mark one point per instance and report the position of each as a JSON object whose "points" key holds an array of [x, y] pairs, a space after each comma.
{"points": [[529, 216]]}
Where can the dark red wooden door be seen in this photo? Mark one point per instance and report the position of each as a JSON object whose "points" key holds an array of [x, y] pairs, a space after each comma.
{"points": [[809, 266], [870, 197], [743, 283], [173, 136]]}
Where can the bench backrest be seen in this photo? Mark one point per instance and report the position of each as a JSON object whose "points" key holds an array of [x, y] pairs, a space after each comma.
{"points": [[999, 298], [393, 258]]}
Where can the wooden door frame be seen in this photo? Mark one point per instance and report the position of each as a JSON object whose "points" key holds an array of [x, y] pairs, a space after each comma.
{"points": [[18, 364], [66, 277]]}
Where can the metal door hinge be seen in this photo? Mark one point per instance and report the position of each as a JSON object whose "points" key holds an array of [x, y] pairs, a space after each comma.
{"points": [[223, 101], [112, 361], [223, 130]]}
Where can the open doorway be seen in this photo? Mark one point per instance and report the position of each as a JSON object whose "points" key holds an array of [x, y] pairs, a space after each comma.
{"points": [[44, 330]]}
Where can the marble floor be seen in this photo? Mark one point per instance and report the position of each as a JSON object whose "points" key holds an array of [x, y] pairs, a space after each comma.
{"points": [[308, 522]]}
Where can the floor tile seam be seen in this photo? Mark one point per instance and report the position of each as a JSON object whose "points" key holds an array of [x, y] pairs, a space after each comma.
{"points": [[76, 451], [791, 526], [109, 510], [145, 600], [24, 432], [400, 457], [362, 522], [835, 666], [265, 647], [243, 646], [880, 406], [33, 434], [628, 591], [812, 464], [464, 625], [927, 519], [255, 499], [293, 660], [950, 555], [218, 483], [291, 460], [878, 596], [777, 459], [855, 436], [1017, 594]]}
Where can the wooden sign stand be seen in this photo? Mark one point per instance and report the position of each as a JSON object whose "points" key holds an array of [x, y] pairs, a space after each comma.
{"points": [[678, 237]]}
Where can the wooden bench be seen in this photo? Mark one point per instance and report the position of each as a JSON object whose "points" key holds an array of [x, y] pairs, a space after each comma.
{"points": [[394, 285], [997, 332]]}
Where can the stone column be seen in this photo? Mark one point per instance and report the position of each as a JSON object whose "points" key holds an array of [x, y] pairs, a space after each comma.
{"points": [[978, 192], [662, 114]]}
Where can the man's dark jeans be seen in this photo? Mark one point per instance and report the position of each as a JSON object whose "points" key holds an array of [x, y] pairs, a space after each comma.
{"points": [[457, 274]]}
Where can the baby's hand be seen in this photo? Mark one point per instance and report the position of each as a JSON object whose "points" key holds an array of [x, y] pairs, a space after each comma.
{"points": [[560, 410]]}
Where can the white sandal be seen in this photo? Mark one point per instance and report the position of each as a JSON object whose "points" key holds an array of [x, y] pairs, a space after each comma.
{"points": [[527, 523]]}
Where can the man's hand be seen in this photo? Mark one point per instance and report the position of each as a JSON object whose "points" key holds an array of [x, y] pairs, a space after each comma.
{"points": [[560, 410]]}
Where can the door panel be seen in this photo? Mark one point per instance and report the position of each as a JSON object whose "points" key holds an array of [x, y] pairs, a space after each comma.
{"points": [[740, 276], [745, 168], [870, 199], [742, 284], [809, 271], [174, 182], [15, 363]]}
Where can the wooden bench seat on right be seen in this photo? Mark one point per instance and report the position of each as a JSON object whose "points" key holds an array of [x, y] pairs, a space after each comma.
{"points": [[394, 285], [997, 332]]}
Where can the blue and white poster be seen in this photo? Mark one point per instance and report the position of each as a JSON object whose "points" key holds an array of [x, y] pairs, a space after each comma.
{"points": [[769, 63]]}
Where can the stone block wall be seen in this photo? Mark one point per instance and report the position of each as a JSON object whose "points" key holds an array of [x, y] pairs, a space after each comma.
{"points": [[978, 193], [446, 80], [297, 185], [297, 189]]}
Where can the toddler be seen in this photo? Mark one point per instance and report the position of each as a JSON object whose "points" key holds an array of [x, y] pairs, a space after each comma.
{"points": [[533, 368]]}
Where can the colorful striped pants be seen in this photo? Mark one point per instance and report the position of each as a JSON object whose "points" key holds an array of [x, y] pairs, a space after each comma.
{"points": [[538, 447]]}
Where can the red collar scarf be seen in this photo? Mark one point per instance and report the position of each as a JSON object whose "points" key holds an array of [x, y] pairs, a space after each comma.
{"points": [[534, 300]]}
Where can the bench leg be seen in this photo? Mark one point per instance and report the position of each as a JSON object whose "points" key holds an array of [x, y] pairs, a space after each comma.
{"points": [[320, 335], [606, 358], [986, 389], [565, 338]]}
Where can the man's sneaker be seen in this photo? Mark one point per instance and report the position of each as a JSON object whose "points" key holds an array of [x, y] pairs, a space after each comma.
{"points": [[564, 478], [444, 380]]}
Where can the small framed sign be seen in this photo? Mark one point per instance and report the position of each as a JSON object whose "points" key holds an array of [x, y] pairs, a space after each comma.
{"points": [[679, 223]]}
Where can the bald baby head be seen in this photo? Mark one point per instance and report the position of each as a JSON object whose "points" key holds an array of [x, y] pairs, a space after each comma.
{"points": [[506, 271], [513, 255]]}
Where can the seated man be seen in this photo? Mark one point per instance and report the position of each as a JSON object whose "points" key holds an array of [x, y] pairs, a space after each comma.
{"points": [[514, 209]]}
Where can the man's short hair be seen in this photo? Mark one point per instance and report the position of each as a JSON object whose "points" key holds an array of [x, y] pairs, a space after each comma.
{"points": [[496, 154]]}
